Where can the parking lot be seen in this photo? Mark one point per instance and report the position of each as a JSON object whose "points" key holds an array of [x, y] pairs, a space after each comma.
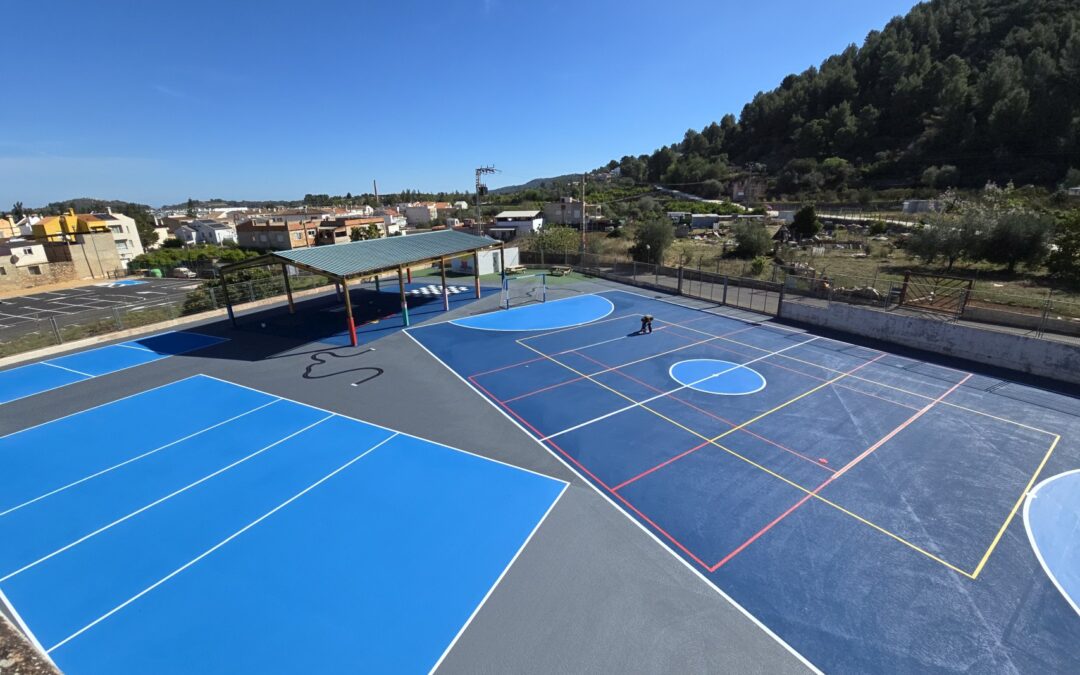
{"points": [[104, 295]]}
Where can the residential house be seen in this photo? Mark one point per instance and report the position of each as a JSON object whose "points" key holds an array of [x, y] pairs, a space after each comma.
{"points": [[420, 214], [63, 227], [1074, 191], [566, 211], [511, 224], [206, 231], [125, 234], [706, 221], [7, 228], [749, 189], [21, 261], [278, 232], [339, 230], [921, 205], [461, 205]]}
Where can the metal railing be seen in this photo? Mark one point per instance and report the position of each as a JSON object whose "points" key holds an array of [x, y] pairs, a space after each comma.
{"points": [[35, 334]]}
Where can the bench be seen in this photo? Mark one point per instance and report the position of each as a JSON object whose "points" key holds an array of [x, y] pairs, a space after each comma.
{"points": [[515, 269], [561, 270]]}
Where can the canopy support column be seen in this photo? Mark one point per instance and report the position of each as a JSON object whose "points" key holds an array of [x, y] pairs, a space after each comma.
{"points": [[350, 324], [445, 292], [288, 288], [404, 300], [228, 302], [476, 271]]}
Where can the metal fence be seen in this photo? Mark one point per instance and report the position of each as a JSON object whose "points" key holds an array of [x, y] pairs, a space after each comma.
{"points": [[1043, 318], [29, 335]]}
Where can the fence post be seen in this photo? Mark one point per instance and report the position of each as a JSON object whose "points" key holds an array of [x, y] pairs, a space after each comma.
{"points": [[679, 290], [780, 300], [56, 330], [119, 320], [1045, 313], [723, 300], [903, 289], [213, 297], [251, 289]]}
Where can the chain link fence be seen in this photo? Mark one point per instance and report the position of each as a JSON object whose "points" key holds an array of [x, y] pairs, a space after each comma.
{"points": [[30, 335]]}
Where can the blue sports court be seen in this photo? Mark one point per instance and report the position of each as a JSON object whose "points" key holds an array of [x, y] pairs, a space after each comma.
{"points": [[865, 506], [185, 528]]}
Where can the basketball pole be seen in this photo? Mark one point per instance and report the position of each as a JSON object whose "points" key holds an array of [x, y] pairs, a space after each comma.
{"points": [[445, 292]]}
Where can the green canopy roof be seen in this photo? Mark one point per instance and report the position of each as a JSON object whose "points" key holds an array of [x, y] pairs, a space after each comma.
{"points": [[361, 258]]}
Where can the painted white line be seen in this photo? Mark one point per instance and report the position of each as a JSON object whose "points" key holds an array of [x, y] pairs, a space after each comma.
{"points": [[526, 330], [742, 610], [379, 426], [671, 374], [25, 629], [672, 391], [154, 503], [221, 543], [135, 459], [1035, 547], [70, 370], [93, 407], [499, 580], [141, 349]]}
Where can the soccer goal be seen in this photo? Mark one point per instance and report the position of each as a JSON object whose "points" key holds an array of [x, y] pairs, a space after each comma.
{"points": [[524, 289]]}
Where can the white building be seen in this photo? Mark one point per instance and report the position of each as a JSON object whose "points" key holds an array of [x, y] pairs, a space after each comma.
{"points": [[921, 205], [422, 214], [1074, 191], [125, 235], [461, 205], [490, 261], [205, 232], [511, 224]]}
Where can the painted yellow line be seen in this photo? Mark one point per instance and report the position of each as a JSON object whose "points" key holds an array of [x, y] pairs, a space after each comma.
{"points": [[1015, 508], [766, 470], [881, 384], [578, 327]]}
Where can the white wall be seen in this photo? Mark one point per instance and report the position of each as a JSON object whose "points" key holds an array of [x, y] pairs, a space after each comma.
{"points": [[489, 261], [1046, 358]]}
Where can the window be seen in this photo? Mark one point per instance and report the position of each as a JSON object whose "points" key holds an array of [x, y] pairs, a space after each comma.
{"points": [[279, 237], [3, 272], [297, 235], [34, 269], [262, 237], [311, 233], [117, 229], [122, 246], [28, 251]]}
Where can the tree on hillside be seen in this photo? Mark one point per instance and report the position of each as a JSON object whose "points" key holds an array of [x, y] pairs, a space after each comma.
{"points": [[17, 211], [1064, 262], [1017, 236], [806, 224], [651, 240], [191, 212], [751, 240], [555, 240]]}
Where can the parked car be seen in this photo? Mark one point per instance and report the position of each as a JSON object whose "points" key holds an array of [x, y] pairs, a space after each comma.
{"points": [[183, 273]]}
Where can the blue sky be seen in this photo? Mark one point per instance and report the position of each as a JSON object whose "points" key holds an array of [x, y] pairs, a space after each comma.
{"points": [[155, 102]]}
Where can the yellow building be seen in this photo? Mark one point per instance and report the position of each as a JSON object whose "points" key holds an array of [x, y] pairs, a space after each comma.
{"points": [[7, 227], [56, 228]]}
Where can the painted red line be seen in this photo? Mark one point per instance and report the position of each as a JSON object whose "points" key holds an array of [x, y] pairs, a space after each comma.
{"points": [[773, 364], [866, 453], [539, 435], [543, 389], [512, 365], [680, 456], [712, 415], [635, 478]]}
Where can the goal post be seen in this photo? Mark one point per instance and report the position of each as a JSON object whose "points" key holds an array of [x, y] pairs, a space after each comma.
{"points": [[523, 289]]}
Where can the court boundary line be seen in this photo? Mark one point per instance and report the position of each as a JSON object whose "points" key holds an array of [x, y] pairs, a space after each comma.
{"points": [[135, 459], [160, 500], [20, 624], [385, 428], [70, 370], [162, 357], [1032, 494], [671, 374], [649, 533], [840, 472], [714, 441], [892, 386], [222, 543], [611, 311], [657, 396], [499, 579], [93, 407]]}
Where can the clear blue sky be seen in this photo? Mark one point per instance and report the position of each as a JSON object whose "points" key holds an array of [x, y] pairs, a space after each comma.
{"points": [[158, 101]]}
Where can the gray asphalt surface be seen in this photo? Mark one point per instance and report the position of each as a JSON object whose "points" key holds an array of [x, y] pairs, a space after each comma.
{"points": [[592, 592], [36, 305]]}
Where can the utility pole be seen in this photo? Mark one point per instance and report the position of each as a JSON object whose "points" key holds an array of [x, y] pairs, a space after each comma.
{"points": [[480, 187]]}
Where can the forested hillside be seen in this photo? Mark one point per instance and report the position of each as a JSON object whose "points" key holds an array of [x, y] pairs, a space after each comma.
{"points": [[955, 93]]}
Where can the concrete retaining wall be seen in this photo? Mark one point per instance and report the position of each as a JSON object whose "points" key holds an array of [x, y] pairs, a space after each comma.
{"points": [[1055, 360]]}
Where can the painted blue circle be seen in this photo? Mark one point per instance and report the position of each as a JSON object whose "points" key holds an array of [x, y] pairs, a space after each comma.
{"points": [[713, 376], [550, 315]]}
